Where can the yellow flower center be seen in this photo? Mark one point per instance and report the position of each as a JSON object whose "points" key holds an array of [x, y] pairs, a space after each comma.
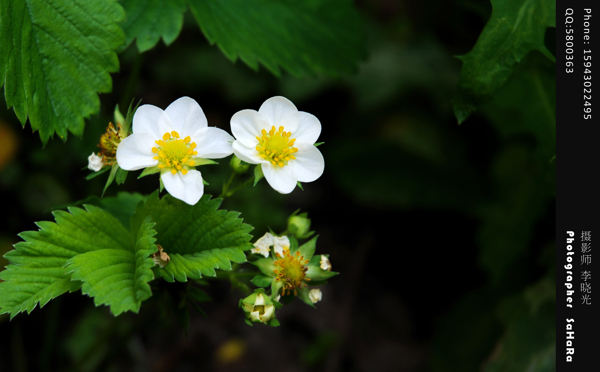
{"points": [[276, 146], [174, 154], [291, 271]]}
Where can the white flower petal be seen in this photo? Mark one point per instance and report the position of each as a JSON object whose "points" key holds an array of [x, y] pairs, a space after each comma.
{"points": [[308, 130], [280, 111], [281, 243], [151, 120], [260, 300], [212, 143], [309, 163], [324, 263], [280, 178], [187, 116], [254, 316], [269, 312], [249, 155], [135, 152], [95, 162], [246, 125], [315, 295], [188, 188]]}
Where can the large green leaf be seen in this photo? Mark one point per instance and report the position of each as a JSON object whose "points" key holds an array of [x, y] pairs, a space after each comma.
{"points": [[198, 238], [37, 273], [55, 56], [149, 20], [303, 37], [118, 276], [515, 28]]}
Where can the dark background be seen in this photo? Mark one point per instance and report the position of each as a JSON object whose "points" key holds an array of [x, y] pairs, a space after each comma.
{"points": [[443, 234]]}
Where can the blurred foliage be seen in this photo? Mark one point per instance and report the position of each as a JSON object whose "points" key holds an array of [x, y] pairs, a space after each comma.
{"points": [[469, 209]]}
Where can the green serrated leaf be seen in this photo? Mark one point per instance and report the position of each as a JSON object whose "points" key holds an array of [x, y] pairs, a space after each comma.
{"points": [[149, 20], [37, 273], [118, 276], [198, 238], [302, 37], [258, 174], [121, 176], [515, 28], [56, 57]]}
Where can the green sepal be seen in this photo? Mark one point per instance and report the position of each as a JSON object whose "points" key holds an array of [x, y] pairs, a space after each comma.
{"points": [[261, 280], [149, 171], [293, 244], [258, 174], [303, 296], [316, 273], [96, 174], [129, 117], [300, 185], [266, 266], [204, 182], [288, 299], [249, 322], [276, 286], [119, 119], [273, 322], [308, 249], [111, 177], [317, 144], [121, 176], [200, 161], [161, 186]]}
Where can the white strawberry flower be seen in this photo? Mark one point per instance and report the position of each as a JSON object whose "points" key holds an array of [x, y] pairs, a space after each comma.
{"points": [[325, 264], [281, 139], [173, 140]]}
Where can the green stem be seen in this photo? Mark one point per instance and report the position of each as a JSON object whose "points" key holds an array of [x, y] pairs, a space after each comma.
{"points": [[227, 193]]}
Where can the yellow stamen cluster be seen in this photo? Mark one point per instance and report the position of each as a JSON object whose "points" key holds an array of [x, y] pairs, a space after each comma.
{"points": [[276, 146], [109, 141], [174, 153], [291, 272]]}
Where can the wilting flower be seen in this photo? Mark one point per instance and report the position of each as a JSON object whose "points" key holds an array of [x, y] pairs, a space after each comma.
{"points": [[289, 272], [173, 141], [281, 139], [262, 245], [95, 162], [315, 295]]}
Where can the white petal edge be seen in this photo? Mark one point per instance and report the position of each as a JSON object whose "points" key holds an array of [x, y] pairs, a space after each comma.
{"points": [[247, 154], [309, 129], [246, 125], [135, 152], [188, 188], [309, 163], [186, 115], [280, 111], [212, 143], [281, 179], [151, 120]]}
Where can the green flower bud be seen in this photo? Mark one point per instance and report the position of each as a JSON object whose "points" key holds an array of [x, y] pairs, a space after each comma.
{"points": [[299, 225], [237, 166], [259, 308]]}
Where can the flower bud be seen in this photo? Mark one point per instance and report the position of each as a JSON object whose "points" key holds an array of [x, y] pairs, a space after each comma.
{"points": [[299, 226], [259, 308], [237, 166]]}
